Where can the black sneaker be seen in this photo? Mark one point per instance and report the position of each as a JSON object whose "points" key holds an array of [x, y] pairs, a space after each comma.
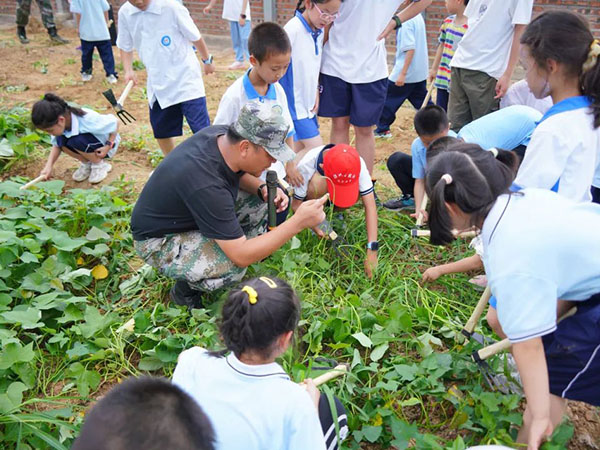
{"points": [[22, 35], [400, 203], [54, 37], [183, 295]]}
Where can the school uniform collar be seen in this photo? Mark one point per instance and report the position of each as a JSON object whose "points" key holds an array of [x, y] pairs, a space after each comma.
{"points": [[154, 8], [314, 33], [568, 104], [494, 217], [273, 369], [251, 92], [74, 131]]}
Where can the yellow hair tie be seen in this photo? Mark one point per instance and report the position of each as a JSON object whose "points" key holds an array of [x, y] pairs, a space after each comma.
{"points": [[252, 294], [592, 58], [268, 282]]}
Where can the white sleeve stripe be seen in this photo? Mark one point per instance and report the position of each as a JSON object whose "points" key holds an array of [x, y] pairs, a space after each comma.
{"points": [[533, 334], [297, 197], [367, 192]]}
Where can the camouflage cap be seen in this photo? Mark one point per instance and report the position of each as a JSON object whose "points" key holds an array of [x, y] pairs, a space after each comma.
{"points": [[263, 124]]}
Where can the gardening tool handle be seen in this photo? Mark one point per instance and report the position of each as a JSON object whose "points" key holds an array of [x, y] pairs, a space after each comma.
{"points": [[32, 182], [505, 344], [428, 96], [338, 371], [125, 93], [481, 304], [426, 233], [422, 207], [271, 194], [289, 190]]}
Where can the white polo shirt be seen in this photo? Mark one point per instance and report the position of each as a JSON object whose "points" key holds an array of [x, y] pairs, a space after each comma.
{"points": [[486, 44], [250, 407], [309, 165], [100, 125], [539, 247], [162, 35], [92, 24], [232, 9], [506, 128], [353, 52], [564, 148], [301, 80], [520, 94]]}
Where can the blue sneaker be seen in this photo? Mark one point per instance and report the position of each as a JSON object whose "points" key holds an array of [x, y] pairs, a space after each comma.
{"points": [[400, 203]]}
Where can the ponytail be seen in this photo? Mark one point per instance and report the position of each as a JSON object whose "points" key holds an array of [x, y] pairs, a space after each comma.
{"points": [[45, 113], [590, 80], [470, 178], [256, 313], [299, 6]]}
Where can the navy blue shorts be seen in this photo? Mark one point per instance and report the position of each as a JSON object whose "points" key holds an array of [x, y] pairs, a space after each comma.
{"points": [[168, 122], [362, 102], [306, 128], [82, 143], [573, 354]]}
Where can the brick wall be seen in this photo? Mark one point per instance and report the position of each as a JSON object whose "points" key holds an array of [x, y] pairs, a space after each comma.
{"points": [[212, 24]]}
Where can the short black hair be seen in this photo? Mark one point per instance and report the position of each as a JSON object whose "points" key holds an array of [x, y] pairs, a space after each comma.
{"points": [[146, 413], [266, 39], [431, 120], [233, 136]]}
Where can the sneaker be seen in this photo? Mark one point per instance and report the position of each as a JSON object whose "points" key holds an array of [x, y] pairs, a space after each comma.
{"points": [[383, 134], [99, 172], [183, 295], [22, 35], [83, 172], [237, 65], [111, 79], [397, 204], [86, 76]]}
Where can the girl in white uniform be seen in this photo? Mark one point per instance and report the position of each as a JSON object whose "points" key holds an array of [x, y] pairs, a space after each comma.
{"points": [[561, 58], [533, 256], [248, 397]]}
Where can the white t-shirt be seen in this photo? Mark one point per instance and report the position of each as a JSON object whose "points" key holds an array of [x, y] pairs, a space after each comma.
{"points": [[352, 52], [486, 45], [232, 9], [301, 80], [520, 94], [563, 147], [250, 407], [162, 34], [412, 36], [540, 248], [308, 167]]}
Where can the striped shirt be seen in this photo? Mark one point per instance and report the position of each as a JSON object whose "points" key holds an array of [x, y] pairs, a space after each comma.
{"points": [[450, 36]]}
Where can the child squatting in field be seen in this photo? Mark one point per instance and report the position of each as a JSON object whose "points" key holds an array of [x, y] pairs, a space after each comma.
{"points": [[81, 133]]}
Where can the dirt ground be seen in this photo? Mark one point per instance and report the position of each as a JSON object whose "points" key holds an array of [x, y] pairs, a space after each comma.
{"points": [[28, 71]]}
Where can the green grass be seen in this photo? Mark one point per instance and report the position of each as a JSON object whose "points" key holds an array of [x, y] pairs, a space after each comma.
{"points": [[68, 333]]}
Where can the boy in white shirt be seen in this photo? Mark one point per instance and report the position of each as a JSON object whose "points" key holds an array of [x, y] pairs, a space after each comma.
{"points": [[237, 13], [163, 32], [486, 57], [92, 22], [408, 80]]}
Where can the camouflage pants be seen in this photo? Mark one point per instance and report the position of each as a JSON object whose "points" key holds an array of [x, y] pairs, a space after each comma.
{"points": [[24, 9], [199, 260]]}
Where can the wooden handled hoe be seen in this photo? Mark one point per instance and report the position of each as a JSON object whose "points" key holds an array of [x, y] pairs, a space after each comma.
{"points": [[118, 105]]}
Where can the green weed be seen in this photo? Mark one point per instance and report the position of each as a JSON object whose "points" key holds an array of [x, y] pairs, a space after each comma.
{"points": [[18, 141]]}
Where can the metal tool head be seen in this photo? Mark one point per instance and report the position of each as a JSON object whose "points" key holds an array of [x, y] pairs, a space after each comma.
{"points": [[496, 381], [110, 96], [124, 115]]}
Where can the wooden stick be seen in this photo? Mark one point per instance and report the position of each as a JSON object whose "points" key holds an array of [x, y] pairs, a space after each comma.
{"points": [[338, 371], [286, 186], [481, 304], [32, 182], [428, 96], [125, 93], [426, 233], [422, 208]]}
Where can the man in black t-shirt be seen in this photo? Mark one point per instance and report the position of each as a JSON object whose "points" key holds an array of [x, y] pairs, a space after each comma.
{"points": [[186, 222]]}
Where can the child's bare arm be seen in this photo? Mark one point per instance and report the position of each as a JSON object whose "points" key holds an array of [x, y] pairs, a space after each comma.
{"points": [[409, 55], [208, 7], [462, 265], [419, 194], [406, 14], [504, 81], [77, 21], [200, 44], [371, 221], [54, 154], [436, 64]]}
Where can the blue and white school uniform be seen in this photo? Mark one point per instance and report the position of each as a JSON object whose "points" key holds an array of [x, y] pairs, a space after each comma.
{"points": [[563, 152], [310, 164], [540, 247], [251, 407], [162, 35], [301, 81], [506, 129], [89, 133], [93, 32]]}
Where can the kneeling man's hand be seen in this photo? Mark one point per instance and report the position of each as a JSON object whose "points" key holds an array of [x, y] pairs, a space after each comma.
{"points": [[310, 213]]}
